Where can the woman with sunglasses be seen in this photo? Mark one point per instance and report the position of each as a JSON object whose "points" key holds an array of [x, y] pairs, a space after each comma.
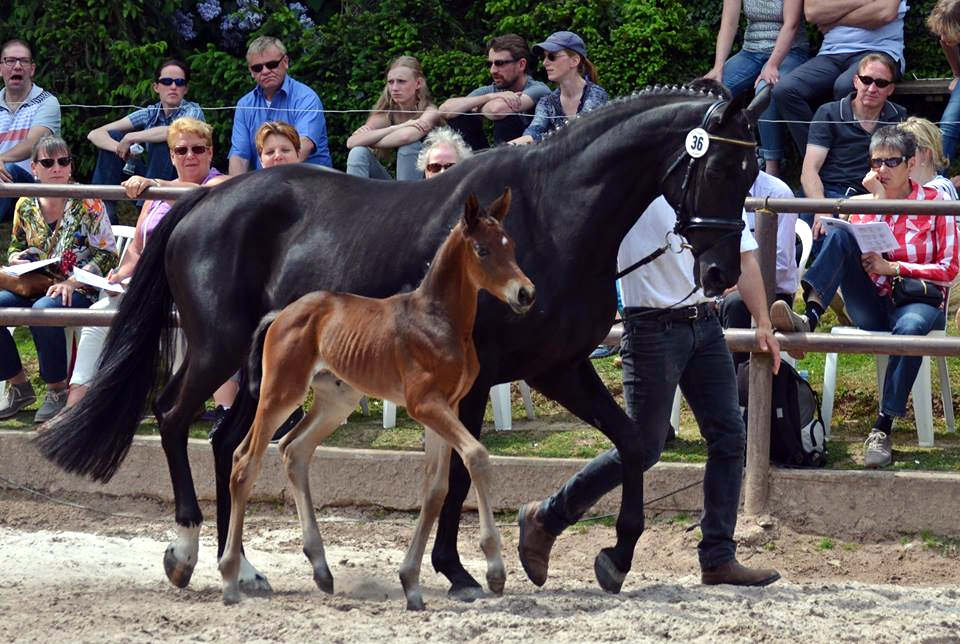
{"points": [[565, 59], [927, 250], [78, 232], [442, 149], [403, 115], [191, 153], [774, 44], [146, 127]]}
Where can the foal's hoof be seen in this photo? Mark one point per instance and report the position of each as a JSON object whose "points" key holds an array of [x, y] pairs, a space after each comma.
{"points": [[467, 592], [324, 580], [415, 603], [608, 575], [231, 597], [496, 582], [256, 586], [178, 572]]}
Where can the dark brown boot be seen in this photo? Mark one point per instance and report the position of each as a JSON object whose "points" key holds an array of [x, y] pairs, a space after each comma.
{"points": [[736, 574], [535, 544]]}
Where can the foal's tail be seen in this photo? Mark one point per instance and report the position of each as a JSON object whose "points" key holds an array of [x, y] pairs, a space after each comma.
{"points": [[255, 360], [93, 437]]}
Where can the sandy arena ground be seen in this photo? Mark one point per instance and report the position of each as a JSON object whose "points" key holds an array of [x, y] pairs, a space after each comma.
{"points": [[74, 575]]}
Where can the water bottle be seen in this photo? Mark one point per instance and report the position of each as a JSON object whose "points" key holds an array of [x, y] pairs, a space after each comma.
{"points": [[131, 166]]}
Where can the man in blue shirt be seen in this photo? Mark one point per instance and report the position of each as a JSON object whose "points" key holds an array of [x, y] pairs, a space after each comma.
{"points": [[146, 127], [277, 97]]}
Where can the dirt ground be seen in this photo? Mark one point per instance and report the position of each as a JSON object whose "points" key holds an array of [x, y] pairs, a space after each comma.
{"points": [[78, 575]]}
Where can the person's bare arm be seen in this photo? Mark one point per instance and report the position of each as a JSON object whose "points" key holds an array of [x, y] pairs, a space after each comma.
{"points": [[412, 130], [792, 12], [372, 132], [459, 105], [502, 104], [729, 21], [307, 147], [22, 150], [237, 165], [868, 14], [810, 179], [754, 296]]}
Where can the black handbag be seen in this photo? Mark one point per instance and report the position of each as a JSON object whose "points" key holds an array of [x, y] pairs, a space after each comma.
{"points": [[910, 290]]}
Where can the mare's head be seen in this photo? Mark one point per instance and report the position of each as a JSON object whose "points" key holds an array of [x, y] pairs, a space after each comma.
{"points": [[707, 180], [492, 264]]}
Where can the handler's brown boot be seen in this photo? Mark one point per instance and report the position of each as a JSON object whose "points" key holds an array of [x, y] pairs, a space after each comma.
{"points": [[736, 574], [535, 544]]}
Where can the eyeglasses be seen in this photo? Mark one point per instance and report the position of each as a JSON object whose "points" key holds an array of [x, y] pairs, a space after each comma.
{"points": [[892, 162], [11, 61], [879, 82], [553, 55], [179, 82], [437, 168], [273, 64], [61, 161], [181, 150], [503, 62]]}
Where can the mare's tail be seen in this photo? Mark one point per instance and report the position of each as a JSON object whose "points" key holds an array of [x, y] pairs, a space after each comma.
{"points": [[255, 360], [93, 437]]}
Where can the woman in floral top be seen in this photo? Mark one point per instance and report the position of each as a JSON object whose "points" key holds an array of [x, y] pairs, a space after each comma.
{"points": [[565, 59], [76, 230]]}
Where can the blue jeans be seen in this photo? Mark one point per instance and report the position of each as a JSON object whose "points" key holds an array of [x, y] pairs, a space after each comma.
{"points": [[109, 168], [49, 340], [838, 266], [950, 124], [19, 175], [362, 162], [657, 356], [739, 74], [823, 78]]}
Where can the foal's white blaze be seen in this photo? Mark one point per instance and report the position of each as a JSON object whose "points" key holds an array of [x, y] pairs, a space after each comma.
{"points": [[504, 241]]}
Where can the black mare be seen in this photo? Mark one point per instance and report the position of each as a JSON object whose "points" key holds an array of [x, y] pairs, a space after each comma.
{"points": [[228, 255]]}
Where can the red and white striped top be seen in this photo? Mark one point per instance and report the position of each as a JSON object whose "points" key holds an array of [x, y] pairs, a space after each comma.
{"points": [[928, 245]]}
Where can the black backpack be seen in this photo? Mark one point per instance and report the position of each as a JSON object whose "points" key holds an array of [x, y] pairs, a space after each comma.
{"points": [[796, 427]]}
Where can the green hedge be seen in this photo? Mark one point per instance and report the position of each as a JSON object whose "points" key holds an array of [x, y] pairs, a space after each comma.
{"points": [[102, 52]]}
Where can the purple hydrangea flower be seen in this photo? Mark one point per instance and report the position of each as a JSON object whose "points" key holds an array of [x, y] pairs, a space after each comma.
{"points": [[209, 9], [183, 23]]}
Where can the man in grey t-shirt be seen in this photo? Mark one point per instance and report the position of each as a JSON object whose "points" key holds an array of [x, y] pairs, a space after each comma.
{"points": [[508, 102]]}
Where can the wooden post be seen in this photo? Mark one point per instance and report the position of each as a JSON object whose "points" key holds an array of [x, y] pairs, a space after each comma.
{"points": [[761, 378]]}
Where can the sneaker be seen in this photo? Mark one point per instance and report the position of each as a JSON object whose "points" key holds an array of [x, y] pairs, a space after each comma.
{"points": [[16, 398], [877, 450], [53, 402], [603, 351], [785, 320]]}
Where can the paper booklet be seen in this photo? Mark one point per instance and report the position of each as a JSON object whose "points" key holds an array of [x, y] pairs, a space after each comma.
{"points": [[22, 269], [86, 277], [874, 236]]}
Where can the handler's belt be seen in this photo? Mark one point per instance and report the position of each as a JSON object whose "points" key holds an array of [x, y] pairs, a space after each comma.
{"points": [[679, 314]]}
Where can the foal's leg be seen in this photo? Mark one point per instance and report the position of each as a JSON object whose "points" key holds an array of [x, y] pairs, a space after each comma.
{"points": [[334, 400], [437, 462], [437, 414]]}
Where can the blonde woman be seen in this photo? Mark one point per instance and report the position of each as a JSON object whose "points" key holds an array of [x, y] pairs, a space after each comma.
{"points": [[403, 115], [930, 157]]}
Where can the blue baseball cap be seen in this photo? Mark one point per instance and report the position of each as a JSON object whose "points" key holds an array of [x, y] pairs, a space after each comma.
{"points": [[561, 40]]}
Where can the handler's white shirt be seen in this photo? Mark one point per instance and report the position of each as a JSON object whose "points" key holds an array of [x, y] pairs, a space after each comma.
{"points": [[666, 281], [788, 275]]}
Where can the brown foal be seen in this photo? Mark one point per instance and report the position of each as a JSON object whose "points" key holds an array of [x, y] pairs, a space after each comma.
{"points": [[415, 349]]}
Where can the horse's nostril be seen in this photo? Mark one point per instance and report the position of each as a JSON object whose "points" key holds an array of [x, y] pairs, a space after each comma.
{"points": [[525, 297]]}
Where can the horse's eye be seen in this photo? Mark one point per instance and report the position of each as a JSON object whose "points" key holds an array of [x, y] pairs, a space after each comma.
{"points": [[482, 251]]}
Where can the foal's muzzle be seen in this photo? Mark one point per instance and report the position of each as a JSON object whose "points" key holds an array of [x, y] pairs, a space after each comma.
{"points": [[521, 296]]}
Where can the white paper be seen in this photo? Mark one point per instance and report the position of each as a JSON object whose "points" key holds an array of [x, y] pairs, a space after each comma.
{"points": [[873, 236], [86, 277], [22, 269]]}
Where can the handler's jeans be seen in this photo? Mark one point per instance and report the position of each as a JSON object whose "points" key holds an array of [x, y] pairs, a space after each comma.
{"points": [[49, 340], [656, 357], [838, 266]]}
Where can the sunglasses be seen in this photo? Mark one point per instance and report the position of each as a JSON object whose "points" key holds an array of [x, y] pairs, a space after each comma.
{"points": [[892, 162], [553, 55], [870, 80], [436, 168], [179, 82], [503, 62], [61, 161], [181, 151], [273, 64]]}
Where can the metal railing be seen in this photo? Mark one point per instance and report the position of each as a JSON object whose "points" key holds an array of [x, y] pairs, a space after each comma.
{"points": [[761, 379]]}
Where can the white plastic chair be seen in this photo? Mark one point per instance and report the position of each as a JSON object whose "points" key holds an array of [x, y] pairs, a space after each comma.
{"points": [[922, 390], [499, 398], [806, 243]]}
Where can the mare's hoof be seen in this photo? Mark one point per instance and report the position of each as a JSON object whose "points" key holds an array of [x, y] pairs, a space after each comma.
{"points": [[178, 572], [496, 583], [230, 598], [415, 603], [608, 575], [468, 593], [256, 586], [324, 582]]}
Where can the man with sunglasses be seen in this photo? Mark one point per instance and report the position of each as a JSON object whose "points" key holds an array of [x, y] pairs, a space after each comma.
{"points": [[27, 114], [839, 146], [851, 29], [276, 97], [509, 101], [146, 127]]}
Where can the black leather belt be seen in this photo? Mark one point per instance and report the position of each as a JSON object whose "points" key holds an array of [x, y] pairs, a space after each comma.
{"points": [[678, 314]]}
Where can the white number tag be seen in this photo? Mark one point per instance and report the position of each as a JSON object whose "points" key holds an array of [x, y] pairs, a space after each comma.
{"points": [[698, 141]]}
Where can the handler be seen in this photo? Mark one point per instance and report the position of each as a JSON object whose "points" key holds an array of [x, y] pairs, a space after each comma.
{"points": [[672, 336]]}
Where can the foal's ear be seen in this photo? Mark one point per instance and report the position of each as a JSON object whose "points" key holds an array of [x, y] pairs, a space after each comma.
{"points": [[498, 209], [471, 213], [759, 104]]}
